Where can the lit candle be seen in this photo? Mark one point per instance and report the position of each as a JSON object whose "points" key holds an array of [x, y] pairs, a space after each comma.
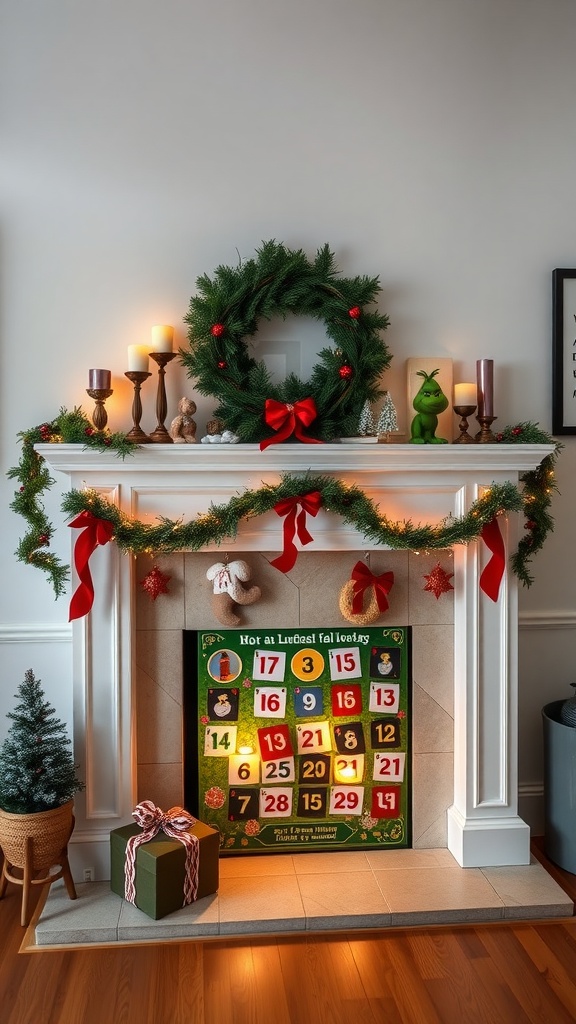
{"points": [[162, 338], [138, 358], [99, 380], [485, 379], [465, 394]]}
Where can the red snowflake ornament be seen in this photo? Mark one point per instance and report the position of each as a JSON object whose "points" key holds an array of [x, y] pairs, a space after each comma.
{"points": [[155, 583], [438, 581]]}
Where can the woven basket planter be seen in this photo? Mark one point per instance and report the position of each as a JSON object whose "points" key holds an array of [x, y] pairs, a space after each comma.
{"points": [[49, 831]]}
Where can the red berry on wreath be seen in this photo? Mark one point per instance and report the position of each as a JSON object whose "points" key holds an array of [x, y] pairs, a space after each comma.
{"points": [[43, 539], [345, 372], [354, 312], [222, 364], [217, 330], [517, 431], [89, 431], [530, 524]]}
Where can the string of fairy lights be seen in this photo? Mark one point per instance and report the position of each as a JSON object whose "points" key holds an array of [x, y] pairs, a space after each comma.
{"points": [[220, 523]]}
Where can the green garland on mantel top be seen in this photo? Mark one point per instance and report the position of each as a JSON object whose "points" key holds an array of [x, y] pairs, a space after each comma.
{"points": [[220, 522]]}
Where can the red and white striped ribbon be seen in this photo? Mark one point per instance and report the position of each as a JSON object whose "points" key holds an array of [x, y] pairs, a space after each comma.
{"points": [[174, 823]]}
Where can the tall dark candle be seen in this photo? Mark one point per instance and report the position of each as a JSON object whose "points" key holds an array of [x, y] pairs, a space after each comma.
{"points": [[485, 381]]}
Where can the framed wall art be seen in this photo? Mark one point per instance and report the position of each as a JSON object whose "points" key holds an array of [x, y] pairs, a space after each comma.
{"points": [[564, 351]]}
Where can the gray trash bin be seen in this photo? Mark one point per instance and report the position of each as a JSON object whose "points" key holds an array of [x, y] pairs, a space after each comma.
{"points": [[559, 788]]}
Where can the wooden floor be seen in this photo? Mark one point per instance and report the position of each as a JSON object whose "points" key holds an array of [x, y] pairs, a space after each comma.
{"points": [[498, 974]]}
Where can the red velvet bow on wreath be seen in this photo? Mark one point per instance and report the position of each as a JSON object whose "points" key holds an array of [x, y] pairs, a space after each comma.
{"points": [[287, 418]]}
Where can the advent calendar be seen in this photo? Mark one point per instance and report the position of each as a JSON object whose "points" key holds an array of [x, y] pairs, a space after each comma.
{"points": [[300, 739]]}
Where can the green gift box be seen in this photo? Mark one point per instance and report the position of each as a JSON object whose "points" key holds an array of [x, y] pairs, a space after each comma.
{"points": [[160, 867]]}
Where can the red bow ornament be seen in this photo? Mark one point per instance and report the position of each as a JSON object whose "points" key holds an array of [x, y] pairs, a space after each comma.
{"points": [[287, 418], [174, 823], [295, 522], [493, 571], [94, 532], [363, 579]]}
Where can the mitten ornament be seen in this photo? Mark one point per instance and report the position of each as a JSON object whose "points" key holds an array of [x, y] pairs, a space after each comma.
{"points": [[228, 579]]}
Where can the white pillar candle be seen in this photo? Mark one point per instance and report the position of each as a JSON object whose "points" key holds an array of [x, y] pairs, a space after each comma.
{"points": [[485, 380], [138, 358], [99, 380], [465, 394], [162, 338]]}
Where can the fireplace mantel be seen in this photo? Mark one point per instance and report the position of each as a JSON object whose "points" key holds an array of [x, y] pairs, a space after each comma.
{"points": [[421, 483]]}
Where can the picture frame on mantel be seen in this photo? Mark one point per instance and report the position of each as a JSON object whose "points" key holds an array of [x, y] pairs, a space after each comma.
{"points": [[564, 351]]}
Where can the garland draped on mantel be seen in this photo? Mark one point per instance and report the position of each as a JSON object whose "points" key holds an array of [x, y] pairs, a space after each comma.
{"points": [[221, 522]]}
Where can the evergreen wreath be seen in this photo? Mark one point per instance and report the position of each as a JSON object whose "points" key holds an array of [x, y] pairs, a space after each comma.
{"points": [[278, 282]]}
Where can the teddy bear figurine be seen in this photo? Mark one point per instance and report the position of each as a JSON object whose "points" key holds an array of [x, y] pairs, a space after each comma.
{"points": [[183, 427]]}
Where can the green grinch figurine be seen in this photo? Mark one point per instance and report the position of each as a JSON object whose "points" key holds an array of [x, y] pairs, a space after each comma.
{"points": [[429, 402]]}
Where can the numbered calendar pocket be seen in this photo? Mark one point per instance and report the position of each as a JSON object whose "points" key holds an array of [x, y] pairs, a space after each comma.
{"points": [[389, 767], [276, 803], [278, 771], [275, 743], [220, 740], [345, 663], [270, 702], [244, 770], [313, 737], [269, 665], [384, 697], [346, 799], [386, 802]]}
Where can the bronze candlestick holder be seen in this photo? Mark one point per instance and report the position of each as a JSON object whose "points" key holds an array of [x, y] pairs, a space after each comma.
{"points": [[99, 416], [485, 435], [137, 435], [160, 435], [464, 411]]}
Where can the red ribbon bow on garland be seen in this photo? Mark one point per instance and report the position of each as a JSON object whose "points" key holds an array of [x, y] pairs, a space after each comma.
{"points": [[295, 522], [493, 571], [287, 419], [174, 823], [95, 532], [363, 579]]}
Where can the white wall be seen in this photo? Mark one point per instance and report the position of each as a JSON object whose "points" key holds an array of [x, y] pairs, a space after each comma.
{"points": [[430, 142]]}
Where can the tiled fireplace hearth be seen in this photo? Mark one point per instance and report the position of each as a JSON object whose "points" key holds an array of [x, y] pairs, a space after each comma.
{"points": [[127, 652]]}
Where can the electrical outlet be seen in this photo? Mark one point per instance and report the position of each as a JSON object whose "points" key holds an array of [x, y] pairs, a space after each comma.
{"points": [[88, 874]]}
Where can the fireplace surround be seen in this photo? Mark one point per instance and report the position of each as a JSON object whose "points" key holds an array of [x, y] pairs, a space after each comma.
{"points": [[423, 484]]}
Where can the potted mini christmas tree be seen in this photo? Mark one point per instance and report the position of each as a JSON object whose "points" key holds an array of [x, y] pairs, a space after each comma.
{"points": [[38, 780]]}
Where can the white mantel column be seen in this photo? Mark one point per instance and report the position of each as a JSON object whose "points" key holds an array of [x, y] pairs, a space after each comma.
{"points": [[483, 823]]}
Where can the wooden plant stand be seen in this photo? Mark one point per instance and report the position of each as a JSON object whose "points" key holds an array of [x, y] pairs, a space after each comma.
{"points": [[27, 879]]}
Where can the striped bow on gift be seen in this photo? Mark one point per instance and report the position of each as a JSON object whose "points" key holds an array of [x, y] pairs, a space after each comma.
{"points": [[175, 824]]}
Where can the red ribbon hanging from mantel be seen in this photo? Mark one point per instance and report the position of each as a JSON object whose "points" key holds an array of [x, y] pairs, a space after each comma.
{"points": [[363, 579], [94, 531], [174, 823], [295, 522], [287, 418], [493, 571]]}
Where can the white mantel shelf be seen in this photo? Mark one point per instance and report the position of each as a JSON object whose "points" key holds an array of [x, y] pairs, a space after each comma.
{"points": [[297, 458], [424, 483]]}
